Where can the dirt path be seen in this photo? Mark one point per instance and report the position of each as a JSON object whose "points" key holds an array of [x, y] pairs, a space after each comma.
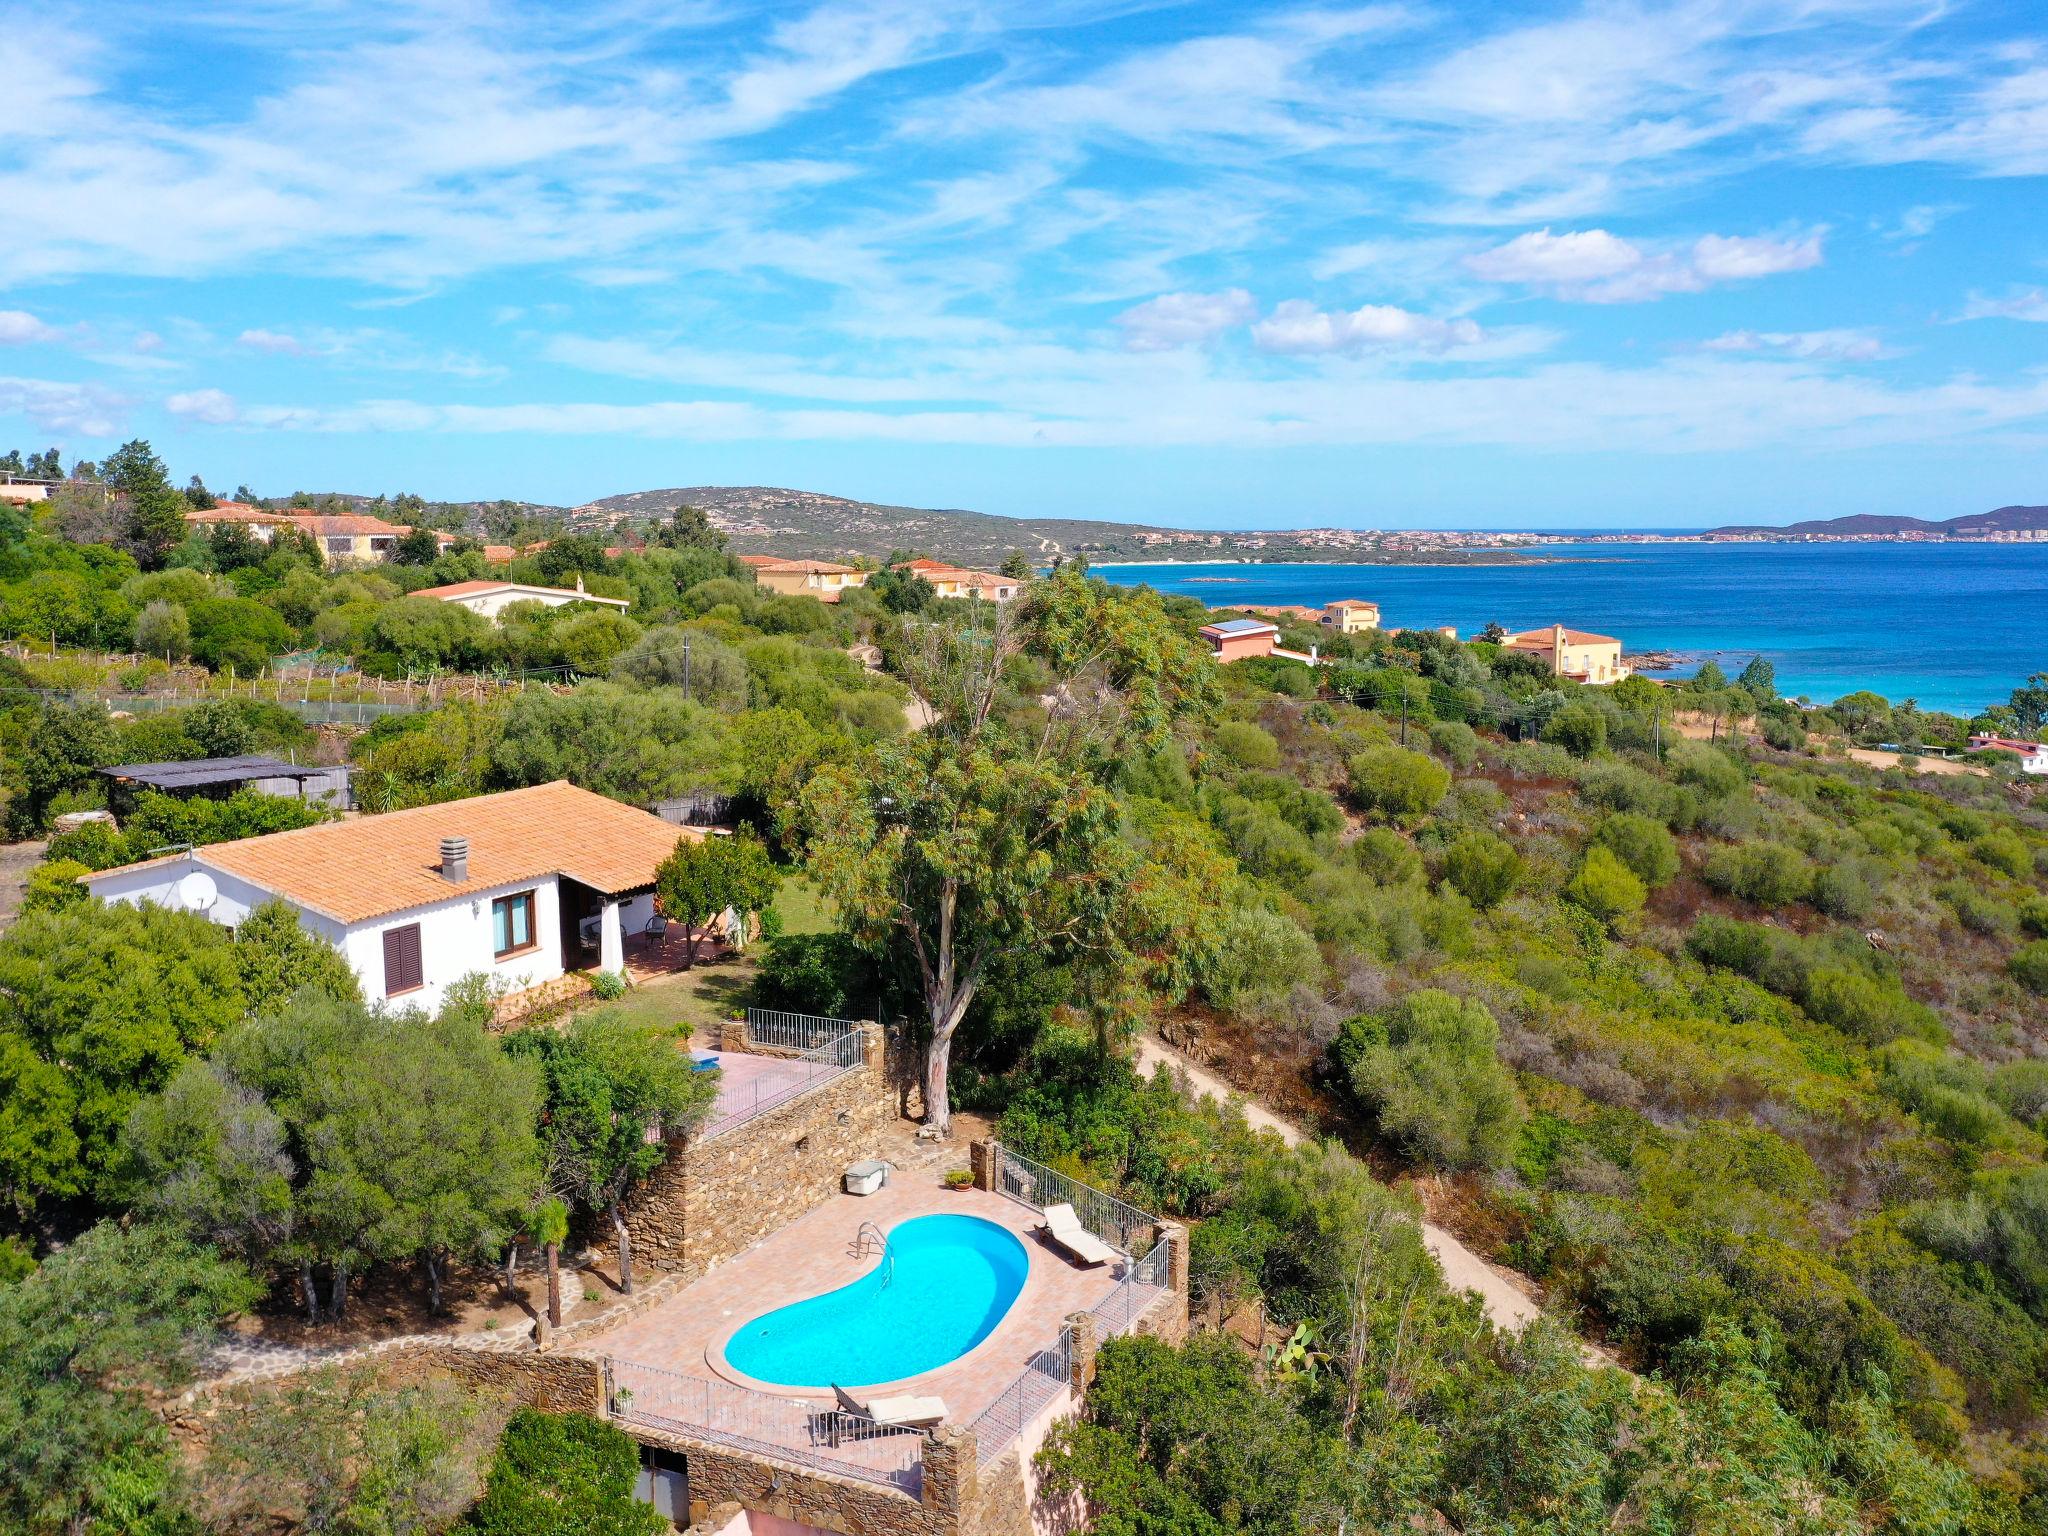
{"points": [[16, 861], [1507, 1296]]}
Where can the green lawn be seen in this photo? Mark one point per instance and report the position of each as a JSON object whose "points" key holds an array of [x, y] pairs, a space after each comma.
{"points": [[802, 908]]}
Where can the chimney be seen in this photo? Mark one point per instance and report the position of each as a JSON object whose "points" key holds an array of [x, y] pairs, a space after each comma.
{"points": [[455, 859]]}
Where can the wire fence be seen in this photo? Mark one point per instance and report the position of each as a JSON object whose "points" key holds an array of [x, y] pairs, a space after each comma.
{"points": [[810, 1069], [1049, 1373], [1117, 1222], [795, 1031], [829, 1439]]}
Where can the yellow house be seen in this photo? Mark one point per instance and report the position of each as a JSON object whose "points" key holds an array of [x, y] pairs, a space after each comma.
{"points": [[1572, 653], [804, 578], [959, 581], [341, 537], [1351, 615]]}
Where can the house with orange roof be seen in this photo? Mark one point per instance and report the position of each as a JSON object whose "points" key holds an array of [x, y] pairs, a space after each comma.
{"points": [[822, 579], [959, 581], [1351, 615], [342, 536], [520, 887], [1572, 653], [491, 598]]}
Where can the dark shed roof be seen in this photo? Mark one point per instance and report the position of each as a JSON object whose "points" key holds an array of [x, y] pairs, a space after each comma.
{"points": [[200, 772]]}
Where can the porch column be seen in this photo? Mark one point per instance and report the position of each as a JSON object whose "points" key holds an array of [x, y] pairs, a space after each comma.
{"points": [[611, 940]]}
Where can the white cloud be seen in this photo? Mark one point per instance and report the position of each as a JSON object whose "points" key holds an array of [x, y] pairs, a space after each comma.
{"points": [[62, 408], [212, 406], [147, 341], [1597, 267], [2027, 304], [1184, 319], [1738, 258], [276, 343], [1831, 346], [19, 328], [1298, 328]]}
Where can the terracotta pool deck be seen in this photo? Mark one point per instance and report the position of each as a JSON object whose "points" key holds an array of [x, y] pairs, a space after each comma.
{"points": [[746, 1082], [818, 1252]]}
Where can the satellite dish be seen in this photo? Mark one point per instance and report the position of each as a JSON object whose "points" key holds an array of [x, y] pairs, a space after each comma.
{"points": [[197, 892]]}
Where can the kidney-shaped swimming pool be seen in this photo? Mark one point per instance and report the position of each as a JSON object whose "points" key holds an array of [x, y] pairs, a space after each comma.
{"points": [[940, 1289]]}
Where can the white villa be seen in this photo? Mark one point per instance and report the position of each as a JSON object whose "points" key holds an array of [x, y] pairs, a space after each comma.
{"points": [[522, 886], [491, 598]]}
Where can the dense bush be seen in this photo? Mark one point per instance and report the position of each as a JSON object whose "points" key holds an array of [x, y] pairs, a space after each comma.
{"points": [[1641, 842], [563, 1474], [1769, 874], [1482, 867], [1426, 1073], [1606, 885], [1399, 785], [2029, 966]]}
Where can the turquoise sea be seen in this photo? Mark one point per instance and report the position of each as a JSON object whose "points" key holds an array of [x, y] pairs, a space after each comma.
{"points": [[1954, 626]]}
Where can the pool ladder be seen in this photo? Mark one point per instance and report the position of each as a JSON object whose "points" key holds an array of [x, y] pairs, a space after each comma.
{"points": [[869, 1231]]}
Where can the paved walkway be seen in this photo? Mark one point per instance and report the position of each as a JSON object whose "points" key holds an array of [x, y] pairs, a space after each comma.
{"points": [[1506, 1295]]}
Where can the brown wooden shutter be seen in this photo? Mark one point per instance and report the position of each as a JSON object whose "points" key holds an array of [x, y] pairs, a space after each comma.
{"points": [[402, 971]]}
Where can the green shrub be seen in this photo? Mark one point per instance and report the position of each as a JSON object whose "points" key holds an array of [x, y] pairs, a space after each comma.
{"points": [[2034, 916], [1979, 910], [563, 1474], [821, 973], [2029, 966], [2005, 851], [1386, 858], [53, 884], [1846, 890], [1482, 867], [1859, 1005], [1427, 1073], [1769, 874], [1708, 769], [2021, 1090], [1606, 886], [1246, 745], [608, 986], [1258, 957], [1579, 728], [1456, 741], [1641, 843], [1400, 785]]}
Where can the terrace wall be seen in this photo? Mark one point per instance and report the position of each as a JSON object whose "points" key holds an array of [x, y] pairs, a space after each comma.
{"points": [[713, 1199]]}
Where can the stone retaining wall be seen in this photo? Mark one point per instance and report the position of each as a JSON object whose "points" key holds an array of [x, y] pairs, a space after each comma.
{"points": [[713, 1199], [721, 1476]]}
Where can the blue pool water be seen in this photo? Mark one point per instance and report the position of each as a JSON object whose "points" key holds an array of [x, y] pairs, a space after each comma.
{"points": [[944, 1284]]}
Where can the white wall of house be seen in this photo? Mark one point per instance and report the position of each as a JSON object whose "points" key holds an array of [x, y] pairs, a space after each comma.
{"points": [[456, 936], [457, 940], [491, 604]]}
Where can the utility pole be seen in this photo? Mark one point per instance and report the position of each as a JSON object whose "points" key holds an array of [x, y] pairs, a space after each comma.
{"points": [[1404, 717]]}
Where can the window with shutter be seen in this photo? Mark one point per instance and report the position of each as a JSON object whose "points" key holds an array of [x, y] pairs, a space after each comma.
{"points": [[402, 971]]}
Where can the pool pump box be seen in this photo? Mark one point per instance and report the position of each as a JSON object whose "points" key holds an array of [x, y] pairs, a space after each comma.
{"points": [[865, 1178]]}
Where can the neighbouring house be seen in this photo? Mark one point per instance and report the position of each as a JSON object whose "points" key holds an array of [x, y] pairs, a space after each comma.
{"points": [[1351, 615], [1572, 653], [958, 581], [2033, 755], [215, 777], [22, 492], [491, 598], [342, 536], [522, 887], [1235, 639], [821, 579]]}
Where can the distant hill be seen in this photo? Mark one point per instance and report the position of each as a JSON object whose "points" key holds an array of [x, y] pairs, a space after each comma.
{"points": [[763, 519], [1868, 525]]}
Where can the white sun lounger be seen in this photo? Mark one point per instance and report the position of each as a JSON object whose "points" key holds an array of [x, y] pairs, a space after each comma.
{"points": [[1065, 1229], [900, 1412]]}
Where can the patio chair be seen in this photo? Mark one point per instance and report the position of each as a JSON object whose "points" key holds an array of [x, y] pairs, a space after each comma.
{"points": [[1064, 1229], [657, 925]]}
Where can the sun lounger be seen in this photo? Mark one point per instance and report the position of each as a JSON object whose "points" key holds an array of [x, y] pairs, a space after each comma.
{"points": [[1065, 1229], [903, 1413]]}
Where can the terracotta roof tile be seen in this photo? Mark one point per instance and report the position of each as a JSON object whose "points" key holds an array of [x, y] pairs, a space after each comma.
{"points": [[376, 865]]}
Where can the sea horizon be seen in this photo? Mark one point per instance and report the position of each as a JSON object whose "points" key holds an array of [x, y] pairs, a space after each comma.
{"points": [[1953, 626]]}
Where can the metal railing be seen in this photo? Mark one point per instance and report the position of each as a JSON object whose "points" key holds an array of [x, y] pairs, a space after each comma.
{"points": [[1117, 1222], [785, 1429], [1140, 1284], [810, 1069], [1049, 1373], [795, 1031]]}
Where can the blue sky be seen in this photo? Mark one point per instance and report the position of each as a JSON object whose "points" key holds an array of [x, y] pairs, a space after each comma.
{"points": [[1392, 265]]}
